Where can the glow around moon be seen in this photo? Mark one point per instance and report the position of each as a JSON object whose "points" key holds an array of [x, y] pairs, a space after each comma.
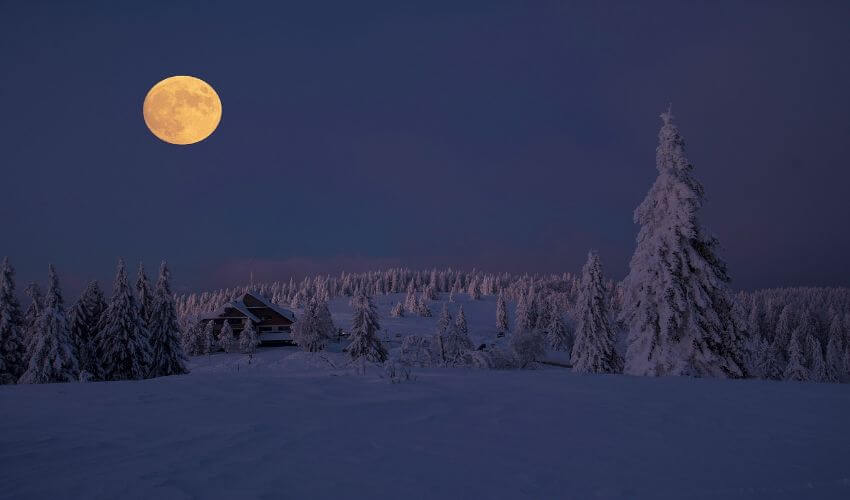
{"points": [[182, 110]]}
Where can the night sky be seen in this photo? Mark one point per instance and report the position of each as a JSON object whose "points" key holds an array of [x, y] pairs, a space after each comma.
{"points": [[355, 135]]}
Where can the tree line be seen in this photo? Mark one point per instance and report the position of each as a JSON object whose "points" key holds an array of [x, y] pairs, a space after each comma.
{"points": [[133, 335]]}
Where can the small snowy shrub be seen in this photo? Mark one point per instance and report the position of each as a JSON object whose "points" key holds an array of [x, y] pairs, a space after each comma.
{"points": [[397, 372]]}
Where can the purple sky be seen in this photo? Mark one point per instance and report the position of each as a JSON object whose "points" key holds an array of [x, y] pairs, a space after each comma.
{"points": [[358, 135]]}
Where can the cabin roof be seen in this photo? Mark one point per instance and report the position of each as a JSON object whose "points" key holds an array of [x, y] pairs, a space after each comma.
{"points": [[239, 305]]}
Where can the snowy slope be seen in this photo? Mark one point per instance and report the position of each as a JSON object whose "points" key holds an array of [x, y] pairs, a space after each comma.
{"points": [[294, 425]]}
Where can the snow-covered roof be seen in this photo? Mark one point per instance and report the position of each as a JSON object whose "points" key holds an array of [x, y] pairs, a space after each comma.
{"points": [[286, 313], [239, 305], [234, 304]]}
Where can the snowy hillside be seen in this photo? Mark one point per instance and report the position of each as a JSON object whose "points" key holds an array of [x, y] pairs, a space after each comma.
{"points": [[301, 425]]}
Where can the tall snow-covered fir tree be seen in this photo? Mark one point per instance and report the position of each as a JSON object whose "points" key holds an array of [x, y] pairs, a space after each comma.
{"points": [[557, 335], [365, 345], [676, 301], [52, 358], [817, 366], [523, 319], [166, 349], [12, 350], [452, 337], [834, 348], [326, 321], [145, 296], [502, 315], [593, 350], [122, 343], [460, 321], [796, 368], [226, 338], [84, 319], [31, 315], [309, 332], [248, 337]]}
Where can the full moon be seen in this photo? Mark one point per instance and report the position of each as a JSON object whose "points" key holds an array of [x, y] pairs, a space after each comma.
{"points": [[182, 110]]}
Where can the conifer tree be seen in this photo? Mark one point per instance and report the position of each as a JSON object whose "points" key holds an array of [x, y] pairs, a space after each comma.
{"points": [[410, 301], [84, 319], [145, 297], [556, 333], [593, 351], [397, 311], [207, 341], [501, 315], [460, 321], [452, 337], [522, 315], [365, 345], [12, 350], [192, 340], [676, 301], [422, 308], [326, 321], [817, 367], [248, 338], [767, 364], [52, 358], [834, 348], [782, 335], [311, 332], [226, 339], [31, 316], [796, 368], [166, 348], [122, 343]]}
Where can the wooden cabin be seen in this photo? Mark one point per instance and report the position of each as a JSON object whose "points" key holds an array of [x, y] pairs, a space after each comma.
{"points": [[273, 323]]}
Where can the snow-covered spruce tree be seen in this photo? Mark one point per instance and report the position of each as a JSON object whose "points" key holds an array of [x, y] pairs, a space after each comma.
{"points": [[192, 339], [397, 310], [422, 308], [309, 332], [782, 335], [814, 353], [365, 345], [676, 303], [123, 350], [145, 297], [834, 348], [83, 327], [796, 368], [444, 323], [31, 316], [53, 358], [207, 340], [410, 301], [167, 351], [593, 351], [452, 338], [226, 339], [248, 338], [12, 351], [767, 364], [501, 315], [557, 335], [326, 321], [460, 321], [523, 320]]}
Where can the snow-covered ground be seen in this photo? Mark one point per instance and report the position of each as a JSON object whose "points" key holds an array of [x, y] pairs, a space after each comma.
{"points": [[295, 425]]}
